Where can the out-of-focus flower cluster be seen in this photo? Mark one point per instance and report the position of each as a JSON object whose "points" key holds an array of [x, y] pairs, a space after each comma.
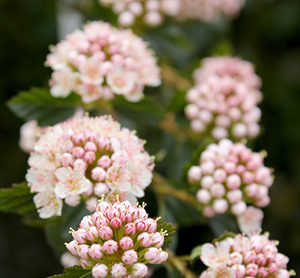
{"points": [[85, 158], [100, 61], [223, 103], [231, 176], [242, 256], [151, 12], [118, 241], [209, 10]]}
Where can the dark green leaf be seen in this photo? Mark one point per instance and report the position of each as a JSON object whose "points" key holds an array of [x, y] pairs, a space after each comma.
{"points": [[40, 105], [74, 272], [170, 229], [17, 199]]}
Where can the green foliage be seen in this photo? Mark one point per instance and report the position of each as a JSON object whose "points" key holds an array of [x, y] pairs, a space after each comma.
{"points": [[17, 199], [223, 237], [170, 229], [196, 252], [74, 272], [40, 105]]}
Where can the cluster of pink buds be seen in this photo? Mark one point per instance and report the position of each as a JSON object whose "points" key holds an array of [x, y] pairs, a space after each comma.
{"points": [[83, 158], [118, 241], [231, 176], [209, 10], [242, 256], [152, 12], [223, 103], [100, 61]]}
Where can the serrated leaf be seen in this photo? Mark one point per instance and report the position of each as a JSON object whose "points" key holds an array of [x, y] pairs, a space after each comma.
{"points": [[17, 199], [170, 229], [196, 252], [74, 272], [38, 104]]}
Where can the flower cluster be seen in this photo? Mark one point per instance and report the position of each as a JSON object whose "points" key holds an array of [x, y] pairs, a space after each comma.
{"points": [[209, 10], [85, 158], [223, 103], [118, 241], [230, 177], [242, 256], [100, 61], [152, 12]]}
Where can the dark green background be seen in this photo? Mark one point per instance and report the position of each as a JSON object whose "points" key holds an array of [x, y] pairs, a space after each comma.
{"points": [[267, 33]]}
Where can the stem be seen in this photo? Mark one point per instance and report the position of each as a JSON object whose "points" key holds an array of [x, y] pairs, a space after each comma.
{"points": [[181, 266], [161, 186]]}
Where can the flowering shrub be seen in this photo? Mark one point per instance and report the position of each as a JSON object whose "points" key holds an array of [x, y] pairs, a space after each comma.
{"points": [[230, 176], [85, 158], [118, 241], [242, 256], [100, 61], [223, 103]]}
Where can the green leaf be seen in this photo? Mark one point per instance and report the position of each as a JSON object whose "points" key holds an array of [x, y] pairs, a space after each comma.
{"points": [[224, 236], [74, 272], [40, 105], [17, 199], [170, 229], [196, 252]]}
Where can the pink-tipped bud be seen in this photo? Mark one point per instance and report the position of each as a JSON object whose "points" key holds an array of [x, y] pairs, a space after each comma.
{"points": [[194, 174], [91, 204], [83, 251], [66, 160], [250, 257], [110, 246], [207, 182], [158, 240], [130, 257], [104, 143], [239, 271], [152, 255], [78, 152], [220, 175], [86, 264], [105, 232], [100, 271], [233, 181], [80, 236], [103, 206], [104, 161], [234, 196], [235, 258], [162, 257], [90, 147], [283, 273], [89, 157], [126, 243], [239, 208], [207, 167], [100, 189], [80, 164], [151, 225], [98, 174], [252, 270], [252, 190], [139, 270], [145, 239], [261, 259], [111, 213], [116, 223], [220, 206], [247, 177], [95, 251], [208, 212], [72, 247], [229, 167], [273, 268], [118, 270], [263, 272], [130, 229], [203, 196], [217, 190], [140, 225], [92, 233], [86, 222]]}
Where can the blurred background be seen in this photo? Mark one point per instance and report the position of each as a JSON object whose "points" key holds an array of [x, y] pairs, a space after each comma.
{"points": [[267, 33]]}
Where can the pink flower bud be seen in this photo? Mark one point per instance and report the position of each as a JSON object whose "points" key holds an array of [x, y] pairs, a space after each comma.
{"points": [[79, 164], [104, 161], [248, 177], [80, 236], [95, 251], [83, 251], [103, 206], [251, 190], [239, 130], [273, 268], [235, 258], [239, 208], [262, 272], [145, 239], [252, 270], [151, 225], [130, 229], [100, 189], [207, 167], [194, 174], [116, 223], [86, 264], [104, 143], [78, 138], [111, 213], [105, 232], [162, 257], [110, 246], [220, 206], [229, 167], [250, 257], [234, 196], [89, 157], [152, 255], [283, 273], [126, 243], [281, 260], [208, 212], [66, 159], [92, 233], [91, 204], [86, 222], [139, 270], [191, 111], [140, 225], [217, 190], [207, 182], [220, 175], [72, 247], [233, 181], [130, 257], [78, 152], [125, 217], [90, 147], [98, 174], [261, 259], [118, 270], [239, 271], [240, 169], [100, 271], [73, 200], [219, 133], [158, 240], [203, 196]]}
